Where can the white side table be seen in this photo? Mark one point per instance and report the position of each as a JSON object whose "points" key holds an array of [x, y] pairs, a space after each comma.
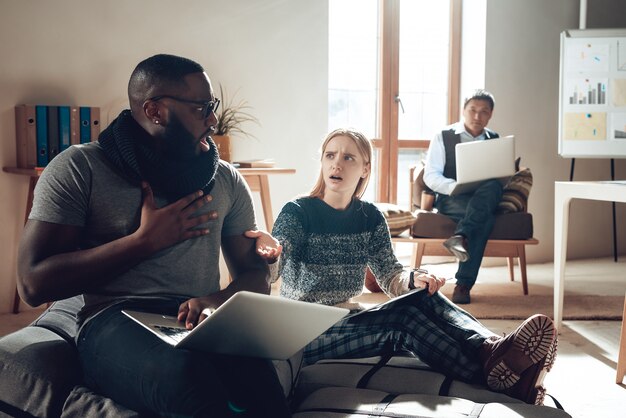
{"points": [[564, 192]]}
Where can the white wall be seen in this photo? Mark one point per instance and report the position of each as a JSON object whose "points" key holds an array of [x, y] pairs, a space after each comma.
{"points": [[522, 70], [275, 52], [77, 52]]}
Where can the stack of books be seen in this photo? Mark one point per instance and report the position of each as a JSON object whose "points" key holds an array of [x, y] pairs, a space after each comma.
{"points": [[264, 163], [42, 132]]}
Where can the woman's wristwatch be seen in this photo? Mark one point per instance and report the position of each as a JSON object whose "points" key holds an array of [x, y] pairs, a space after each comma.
{"points": [[412, 277]]}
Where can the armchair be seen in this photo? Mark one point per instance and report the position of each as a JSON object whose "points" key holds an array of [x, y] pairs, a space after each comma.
{"points": [[513, 229]]}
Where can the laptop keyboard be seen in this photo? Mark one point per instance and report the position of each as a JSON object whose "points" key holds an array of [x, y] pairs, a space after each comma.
{"points": [[173, 332]]}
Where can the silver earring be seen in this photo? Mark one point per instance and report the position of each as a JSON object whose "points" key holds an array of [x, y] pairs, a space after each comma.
{"points": [[156, 121]]}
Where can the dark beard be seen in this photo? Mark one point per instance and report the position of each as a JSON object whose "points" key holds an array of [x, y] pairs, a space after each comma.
{"points": [[130, 148], [178, 143]]}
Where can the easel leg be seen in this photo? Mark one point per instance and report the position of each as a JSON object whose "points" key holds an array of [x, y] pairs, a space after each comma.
{"points": [[614, 229]]}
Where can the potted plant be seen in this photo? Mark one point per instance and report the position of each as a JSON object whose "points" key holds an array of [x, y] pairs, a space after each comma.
{"points": [[231, 117]]}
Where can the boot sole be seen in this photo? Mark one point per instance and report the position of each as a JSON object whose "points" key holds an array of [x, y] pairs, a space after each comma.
{"points": [[533, 343], [537, 394]]}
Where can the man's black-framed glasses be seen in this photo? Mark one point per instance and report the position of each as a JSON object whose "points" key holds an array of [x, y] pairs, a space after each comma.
{"points": [[204, 108]]}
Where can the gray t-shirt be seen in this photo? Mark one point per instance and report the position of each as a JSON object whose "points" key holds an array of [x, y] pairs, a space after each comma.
{"points": [[80, 187]]}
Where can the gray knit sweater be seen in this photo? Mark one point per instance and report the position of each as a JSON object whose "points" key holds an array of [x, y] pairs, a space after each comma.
{"points": [[326, 251]]}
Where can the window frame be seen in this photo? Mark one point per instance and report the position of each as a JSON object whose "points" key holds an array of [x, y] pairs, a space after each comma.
{"points": [[388, 144]]}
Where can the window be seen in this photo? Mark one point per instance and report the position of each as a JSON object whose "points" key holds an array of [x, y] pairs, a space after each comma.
{"points": [[390, 76], [423, 69], [353, 65]]}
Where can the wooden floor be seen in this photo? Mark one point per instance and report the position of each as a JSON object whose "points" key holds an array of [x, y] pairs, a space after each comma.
{"points": [[583, 377]]}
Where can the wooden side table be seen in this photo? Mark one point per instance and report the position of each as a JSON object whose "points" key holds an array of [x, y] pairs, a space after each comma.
{"points": [[257, 179], [33, 174]]}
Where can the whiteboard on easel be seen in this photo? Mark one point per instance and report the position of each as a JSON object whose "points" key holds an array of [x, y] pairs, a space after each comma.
{"points": [[592, 94]]}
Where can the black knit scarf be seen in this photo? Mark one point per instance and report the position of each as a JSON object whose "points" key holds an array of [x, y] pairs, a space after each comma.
{"points": [[130, 148]]}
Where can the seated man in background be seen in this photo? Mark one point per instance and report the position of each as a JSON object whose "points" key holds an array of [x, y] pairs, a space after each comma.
{"points": [[128, 222], [474, 212]]}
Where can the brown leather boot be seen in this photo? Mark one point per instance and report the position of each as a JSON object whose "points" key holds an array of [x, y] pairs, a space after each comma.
{"points": [[461, 294], [457, 246], [517, 364]]}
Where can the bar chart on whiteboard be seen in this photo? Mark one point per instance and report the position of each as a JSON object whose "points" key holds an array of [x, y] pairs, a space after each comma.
{"points": [[592, 94], [587, 91]]}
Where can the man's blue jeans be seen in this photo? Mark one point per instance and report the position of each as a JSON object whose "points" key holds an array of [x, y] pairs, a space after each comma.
{"points": [[127, 363], [475, 216]]}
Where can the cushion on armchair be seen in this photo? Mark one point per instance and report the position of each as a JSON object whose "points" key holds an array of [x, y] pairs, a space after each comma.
{"points": [[508, 226], [398, 219], [515, 193], [419, 189]]}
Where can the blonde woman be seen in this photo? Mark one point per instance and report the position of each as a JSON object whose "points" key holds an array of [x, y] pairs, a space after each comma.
{"points": [[324, 242]]}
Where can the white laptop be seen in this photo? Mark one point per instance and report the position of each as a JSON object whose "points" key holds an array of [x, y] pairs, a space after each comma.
{"points": [[248, 324], [477, 161]]}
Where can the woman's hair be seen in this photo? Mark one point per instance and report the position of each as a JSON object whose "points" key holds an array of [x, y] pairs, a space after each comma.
{"points": [[365, 149]]}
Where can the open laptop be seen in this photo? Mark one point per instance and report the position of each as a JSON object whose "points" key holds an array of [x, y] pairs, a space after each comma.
{"points": [[248, 324], [477, 161]]}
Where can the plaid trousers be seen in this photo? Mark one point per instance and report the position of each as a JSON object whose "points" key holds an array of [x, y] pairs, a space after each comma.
{"points": [[434, 329]]}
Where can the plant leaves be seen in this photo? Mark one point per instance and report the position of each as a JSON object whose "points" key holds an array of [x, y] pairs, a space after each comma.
{"points": [[232, 115]]}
